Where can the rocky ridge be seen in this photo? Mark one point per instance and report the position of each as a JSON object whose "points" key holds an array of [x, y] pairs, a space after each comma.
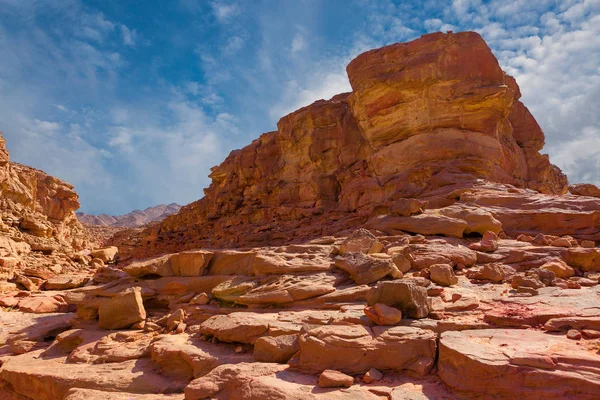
{"points": [[134, 219], [404, 241], [40, 236]]}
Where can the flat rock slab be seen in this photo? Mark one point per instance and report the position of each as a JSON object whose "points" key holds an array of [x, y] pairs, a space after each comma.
{"points": [[16, 325], [518, 364], [260, 381], [354, 349], [182, 356], [52, 378], [246, 327], [90, 394]]}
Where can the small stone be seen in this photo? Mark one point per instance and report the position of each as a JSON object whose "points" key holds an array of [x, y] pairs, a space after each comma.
{"points": [[122, 311], [43, 305], [561, 242], [180, 327], [573, 285], [561, 283], [590, 334], [574, 334], [488, 243], [8, 301], [443, 274], [361, 241], [139, 325], [186, 298], [404, 294], [200, 299], [239, 349], [526, 281], [525, 238], [175, 319], [334, 379], [456, 297], [106, 255], [527, 290], [151, 327], [540, 239], [276, 349], [560, 269], [489, 272], [383, 315], [435, 291], [588, 244], [372, 375]]}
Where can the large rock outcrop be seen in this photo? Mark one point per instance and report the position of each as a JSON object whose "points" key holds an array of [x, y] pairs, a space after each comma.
{"points": [[424, 118], [39, 232], [38, 204]]}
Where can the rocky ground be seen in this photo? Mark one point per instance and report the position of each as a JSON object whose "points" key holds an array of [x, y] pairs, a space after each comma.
{"points": [[404, 241], [389, 317]]}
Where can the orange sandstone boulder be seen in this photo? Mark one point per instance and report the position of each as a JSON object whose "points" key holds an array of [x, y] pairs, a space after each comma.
{"points": [[333, 379], [357, 349]]}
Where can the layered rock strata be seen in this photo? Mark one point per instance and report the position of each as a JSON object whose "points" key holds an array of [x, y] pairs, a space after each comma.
{"points": [[427, 119], [40, 237]]}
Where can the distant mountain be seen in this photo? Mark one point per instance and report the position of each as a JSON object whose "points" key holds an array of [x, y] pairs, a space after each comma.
{"points": [[134, 219]]}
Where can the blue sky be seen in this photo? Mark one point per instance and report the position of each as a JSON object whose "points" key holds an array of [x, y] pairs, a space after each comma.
{"points": [[134, 101]]}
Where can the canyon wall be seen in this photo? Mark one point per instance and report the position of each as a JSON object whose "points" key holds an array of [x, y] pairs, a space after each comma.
{"points": [[39, 232]]}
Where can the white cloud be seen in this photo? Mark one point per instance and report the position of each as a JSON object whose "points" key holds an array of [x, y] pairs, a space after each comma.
{"points": [[234, 44], [44, 127], [129, 35], [170, 153], [95, 27], [122, 139], [579, 157], [298, 43], [297, 95], [433, 24], [225, 12]]}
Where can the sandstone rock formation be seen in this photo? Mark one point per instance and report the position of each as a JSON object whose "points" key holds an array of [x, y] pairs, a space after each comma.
{"points": [[430, 119], [40, 237], [410, 242]]}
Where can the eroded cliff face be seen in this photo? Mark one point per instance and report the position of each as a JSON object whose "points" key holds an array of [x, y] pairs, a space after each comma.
{"points": [[39, 231], [424, 118], [38, 204]]}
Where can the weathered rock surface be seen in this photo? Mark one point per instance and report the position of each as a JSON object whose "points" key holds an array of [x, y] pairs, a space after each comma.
{"points": [[405, 295], [122, 311], [357, 349], [585, 189], [403, 241], [334, 379], [43, 379], [518, 363], [42, 245]]}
